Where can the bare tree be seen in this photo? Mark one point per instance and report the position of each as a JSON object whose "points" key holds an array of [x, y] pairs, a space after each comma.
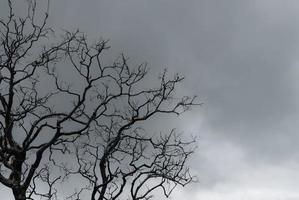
{"points": [[60, 99]]}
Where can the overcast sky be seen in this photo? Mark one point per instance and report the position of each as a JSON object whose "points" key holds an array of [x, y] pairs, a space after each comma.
{"points": [[241, 58]]}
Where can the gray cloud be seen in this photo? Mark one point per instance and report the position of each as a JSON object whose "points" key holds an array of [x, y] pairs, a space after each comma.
{"points": [[240, 57]]}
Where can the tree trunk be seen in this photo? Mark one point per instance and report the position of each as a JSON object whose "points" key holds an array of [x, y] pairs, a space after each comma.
{"points": [[19, 194], [19, 191]]}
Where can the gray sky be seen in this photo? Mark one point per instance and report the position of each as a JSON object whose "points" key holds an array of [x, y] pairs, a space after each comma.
{"points": [[241, 58]]}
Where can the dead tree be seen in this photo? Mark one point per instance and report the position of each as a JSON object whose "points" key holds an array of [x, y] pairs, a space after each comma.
{"points": [[61, 98]]}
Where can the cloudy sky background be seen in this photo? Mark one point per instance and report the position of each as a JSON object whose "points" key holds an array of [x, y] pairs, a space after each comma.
{"points": [[240, 57]]}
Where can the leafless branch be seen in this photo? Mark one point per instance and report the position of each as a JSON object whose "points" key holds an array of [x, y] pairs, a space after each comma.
{"points": [[44, 112]]}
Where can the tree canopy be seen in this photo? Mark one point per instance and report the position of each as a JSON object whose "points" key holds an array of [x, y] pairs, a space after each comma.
{"points": [[65, 115]]}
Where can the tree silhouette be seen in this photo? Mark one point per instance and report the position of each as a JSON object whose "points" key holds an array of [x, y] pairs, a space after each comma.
{"points": [[60, 100]]}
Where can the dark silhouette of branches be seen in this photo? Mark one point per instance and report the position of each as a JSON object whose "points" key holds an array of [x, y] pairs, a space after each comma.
{"points": [[130, 161], [60, 98]]}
